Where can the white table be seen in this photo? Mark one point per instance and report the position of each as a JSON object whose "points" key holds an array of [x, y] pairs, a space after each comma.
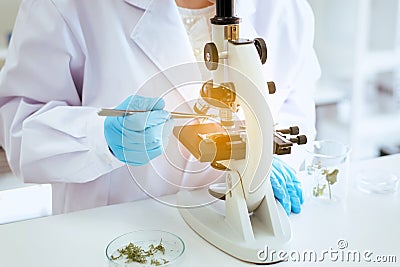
{"points": [[21, 201], [366, 222]]}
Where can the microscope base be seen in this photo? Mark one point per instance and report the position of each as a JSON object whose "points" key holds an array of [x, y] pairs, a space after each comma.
{"points": [[211, 223]]}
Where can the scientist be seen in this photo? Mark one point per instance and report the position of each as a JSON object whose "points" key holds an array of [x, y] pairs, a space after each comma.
{"points": [[68, 58]]}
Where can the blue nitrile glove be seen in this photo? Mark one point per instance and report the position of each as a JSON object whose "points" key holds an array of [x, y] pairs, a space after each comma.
{"points": [[286, 187], [136, 139]]}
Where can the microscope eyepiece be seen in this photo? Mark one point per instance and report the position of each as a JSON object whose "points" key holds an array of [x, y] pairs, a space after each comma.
{"points": [[225, 13], [225, 8]]}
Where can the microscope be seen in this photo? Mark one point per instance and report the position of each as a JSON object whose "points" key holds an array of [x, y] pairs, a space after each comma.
{"points": [[245, 217]]}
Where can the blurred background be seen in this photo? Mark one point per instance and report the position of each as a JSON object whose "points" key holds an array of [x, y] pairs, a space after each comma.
{"points": [[357, 98]]}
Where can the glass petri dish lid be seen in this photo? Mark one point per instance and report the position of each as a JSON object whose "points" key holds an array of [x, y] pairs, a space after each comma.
{"points": [[377, 181], [145, 248]]}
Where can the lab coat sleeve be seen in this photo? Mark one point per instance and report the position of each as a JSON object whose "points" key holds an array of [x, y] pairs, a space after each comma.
{"points": [[47, 133], [293, 65], [299, 106]]}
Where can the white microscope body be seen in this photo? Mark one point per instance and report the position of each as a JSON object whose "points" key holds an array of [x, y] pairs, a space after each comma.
{"points": [[249, 218]]}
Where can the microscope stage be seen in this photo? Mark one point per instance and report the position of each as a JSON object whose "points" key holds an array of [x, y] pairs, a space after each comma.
{"points": [[212, 142]]}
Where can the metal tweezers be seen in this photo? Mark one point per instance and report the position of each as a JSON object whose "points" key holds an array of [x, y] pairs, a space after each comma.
{"points": [[176, 115]]}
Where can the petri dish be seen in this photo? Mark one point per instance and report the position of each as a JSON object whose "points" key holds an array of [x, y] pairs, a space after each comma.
{"points": [[172, 254], [377, 181]]}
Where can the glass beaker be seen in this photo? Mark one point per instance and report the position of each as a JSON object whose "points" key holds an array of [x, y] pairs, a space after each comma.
{"points": [[326, 164]]}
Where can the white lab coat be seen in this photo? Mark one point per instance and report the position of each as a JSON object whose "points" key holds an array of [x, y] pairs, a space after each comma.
{"points": [[67, 58]]}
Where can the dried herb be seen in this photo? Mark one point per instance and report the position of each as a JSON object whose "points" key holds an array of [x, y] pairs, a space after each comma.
{"points": [[134, 253], [319, 190], [330, 177], [155, 262], [159, 247]]}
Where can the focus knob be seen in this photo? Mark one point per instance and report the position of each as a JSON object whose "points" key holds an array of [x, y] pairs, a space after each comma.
{"points": [[261, 49], [300, 140], [294, 130], [271, 88], [211, 57]]}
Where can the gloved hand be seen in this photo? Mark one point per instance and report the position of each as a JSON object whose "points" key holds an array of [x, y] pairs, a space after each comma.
{"points": [[286, 187], [136, 139]]}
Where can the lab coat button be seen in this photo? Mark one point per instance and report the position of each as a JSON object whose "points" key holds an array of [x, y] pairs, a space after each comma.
{"points": [[189, 21]]}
